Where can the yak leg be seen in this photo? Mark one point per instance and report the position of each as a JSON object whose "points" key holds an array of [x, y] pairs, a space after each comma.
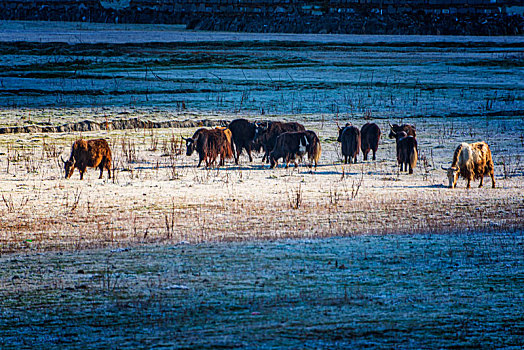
{"points": [[469, 184], [492, 179], [108, 167], [101, 167], [410, 169], [238, 149], [248, 150], [366, 155], [82, 171], [481, 182], [374, 157]]}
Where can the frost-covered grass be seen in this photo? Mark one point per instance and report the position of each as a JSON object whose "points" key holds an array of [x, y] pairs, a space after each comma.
{"points": [[165, 254], [390, 76], [407, 291], [158, 195]]}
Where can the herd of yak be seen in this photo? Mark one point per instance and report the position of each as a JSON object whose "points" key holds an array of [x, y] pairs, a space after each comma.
{"points": [[290, 141]]}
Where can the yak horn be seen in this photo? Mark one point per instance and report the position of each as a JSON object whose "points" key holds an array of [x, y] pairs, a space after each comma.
{"points": [[444, 168], [62, 159]]}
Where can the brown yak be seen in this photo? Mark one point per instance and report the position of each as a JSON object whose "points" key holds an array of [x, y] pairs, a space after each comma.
{"points": [[209, 144], [369, 136], [407, 154], [88, 153], [409, 129], [471, 161]]}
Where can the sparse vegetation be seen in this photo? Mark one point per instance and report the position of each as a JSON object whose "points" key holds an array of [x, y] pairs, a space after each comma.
{"points": [[124, 251]]}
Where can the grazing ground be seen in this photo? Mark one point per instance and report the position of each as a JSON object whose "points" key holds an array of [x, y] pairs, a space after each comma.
{"points": [[367, 291], [158, 194], [167, 254]]}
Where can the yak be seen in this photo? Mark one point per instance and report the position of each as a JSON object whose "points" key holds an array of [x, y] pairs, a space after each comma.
{"points": [[471, 161], [209, 144], [289, 146], [370, 136], [243, 132], [409, 129], [88, 153], [266, 137], [407, 154], [197, 142], [349, 137]]}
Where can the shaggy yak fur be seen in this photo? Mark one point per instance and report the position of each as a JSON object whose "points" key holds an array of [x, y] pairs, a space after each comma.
{"points": [[349, 136], [370, 136], [243, 135], [407, 154], [289, 146], [471, 161], [88, 153], [209, 144], [267, 137], [314, 149]]}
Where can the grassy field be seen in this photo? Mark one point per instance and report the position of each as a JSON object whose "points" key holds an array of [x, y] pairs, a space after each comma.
{"points": [[387, 76], [165, 254], [366, 291]]}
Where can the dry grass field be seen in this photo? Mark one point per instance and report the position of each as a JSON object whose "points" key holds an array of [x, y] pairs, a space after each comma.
{"points": [[159, 195], [166, 254]]}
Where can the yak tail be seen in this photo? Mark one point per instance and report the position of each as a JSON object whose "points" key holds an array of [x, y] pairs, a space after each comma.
{"points": [[314, 156], [413, 158], [228, 150]]}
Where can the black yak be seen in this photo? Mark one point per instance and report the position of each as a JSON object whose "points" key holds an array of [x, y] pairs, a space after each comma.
{"points": [[349, 137], [370, 136]]}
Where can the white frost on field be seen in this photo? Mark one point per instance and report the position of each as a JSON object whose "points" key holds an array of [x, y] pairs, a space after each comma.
{"points": [[160, 198]]}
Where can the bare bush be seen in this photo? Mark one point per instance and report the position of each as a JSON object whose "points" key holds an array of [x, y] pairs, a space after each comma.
{"points": [[295, 197]]}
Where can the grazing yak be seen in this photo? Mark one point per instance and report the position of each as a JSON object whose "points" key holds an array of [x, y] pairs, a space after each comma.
{"points": [[407, 154], [471, 161], [370, 136], [349, 136], [88, 153], [266, 136], [289, 146], [243, 135], [409, 129], [209, 144]]}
